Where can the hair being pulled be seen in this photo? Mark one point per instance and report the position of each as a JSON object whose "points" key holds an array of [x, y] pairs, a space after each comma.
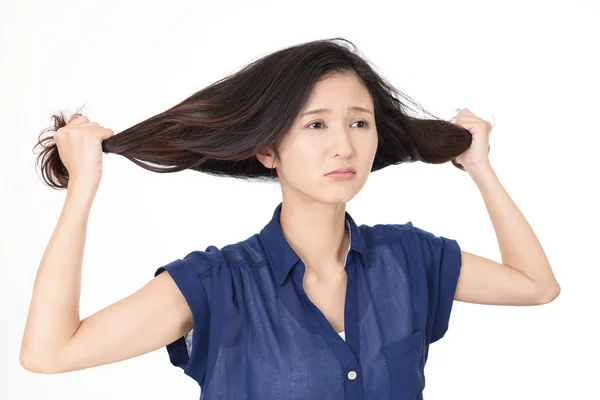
{"points": [[219, 129]]}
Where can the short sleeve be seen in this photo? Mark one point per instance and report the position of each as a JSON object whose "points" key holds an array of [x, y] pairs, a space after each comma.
{"points": [[190, 351], [442, 259]]}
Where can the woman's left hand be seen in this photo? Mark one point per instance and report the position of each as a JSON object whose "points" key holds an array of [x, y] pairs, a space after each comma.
{"points": [[477, 154]]}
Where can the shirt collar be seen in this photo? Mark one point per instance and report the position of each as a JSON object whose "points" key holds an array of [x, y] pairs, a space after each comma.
{"points": [[280, 254]]}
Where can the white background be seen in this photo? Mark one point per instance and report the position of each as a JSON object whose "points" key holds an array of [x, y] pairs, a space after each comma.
{"points": [[531, 68]]}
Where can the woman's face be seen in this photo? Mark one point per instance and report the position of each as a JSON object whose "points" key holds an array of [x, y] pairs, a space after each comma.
{"points": [[327, 140]]}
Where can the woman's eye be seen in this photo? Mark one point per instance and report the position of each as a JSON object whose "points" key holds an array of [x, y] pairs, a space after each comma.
{"points": [[365, 123], [314, 123]]}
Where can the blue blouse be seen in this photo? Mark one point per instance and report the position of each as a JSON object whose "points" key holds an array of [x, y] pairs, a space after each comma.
{"points": [[257, 335]]}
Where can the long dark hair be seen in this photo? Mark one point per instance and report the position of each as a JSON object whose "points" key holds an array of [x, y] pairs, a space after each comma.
{"points": [[219, 129]]}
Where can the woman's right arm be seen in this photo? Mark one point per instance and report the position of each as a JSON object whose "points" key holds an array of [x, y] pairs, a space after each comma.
{"points": [[55, 340]]}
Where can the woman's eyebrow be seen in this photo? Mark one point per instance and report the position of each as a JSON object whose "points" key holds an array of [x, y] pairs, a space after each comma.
{"points": [[320, 110]]}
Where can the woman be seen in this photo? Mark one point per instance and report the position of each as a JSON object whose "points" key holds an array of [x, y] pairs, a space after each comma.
{"points": [[313, 306]]}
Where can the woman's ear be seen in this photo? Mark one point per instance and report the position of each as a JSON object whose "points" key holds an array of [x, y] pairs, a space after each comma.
{"points": [[266, 159]]}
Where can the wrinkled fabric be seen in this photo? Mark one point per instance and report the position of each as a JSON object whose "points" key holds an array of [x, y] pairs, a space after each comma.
{"points": [[257, 335]]}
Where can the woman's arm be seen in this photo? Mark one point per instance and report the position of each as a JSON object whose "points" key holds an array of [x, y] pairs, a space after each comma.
{"points": [[519, 246], [55, 340], [525, 276], [54, 310]]}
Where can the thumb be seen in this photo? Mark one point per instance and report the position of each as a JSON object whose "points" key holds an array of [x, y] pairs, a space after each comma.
{"points": [[105, 134]]}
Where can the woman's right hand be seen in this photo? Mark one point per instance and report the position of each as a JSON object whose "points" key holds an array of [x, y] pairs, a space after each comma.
{"points": [[79, 146]]}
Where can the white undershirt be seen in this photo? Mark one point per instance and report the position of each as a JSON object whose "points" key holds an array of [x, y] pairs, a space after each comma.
{"points": [[343, 333]]}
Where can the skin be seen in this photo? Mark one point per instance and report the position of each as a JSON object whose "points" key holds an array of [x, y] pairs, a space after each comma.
{"points": [[312, 215]]}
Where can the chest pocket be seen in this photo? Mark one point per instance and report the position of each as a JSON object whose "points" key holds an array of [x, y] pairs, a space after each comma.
{"points": [[404, 359]]}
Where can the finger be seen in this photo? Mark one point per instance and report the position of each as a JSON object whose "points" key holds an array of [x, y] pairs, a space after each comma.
{"points": [[80, 125], [78, 119], [106, 133]]}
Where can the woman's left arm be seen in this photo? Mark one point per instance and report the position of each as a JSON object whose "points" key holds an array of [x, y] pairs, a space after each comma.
{"points": [[525, 276]]}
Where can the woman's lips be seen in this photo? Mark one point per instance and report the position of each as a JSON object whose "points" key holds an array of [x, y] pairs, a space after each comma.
{"points": [[341, 175]]}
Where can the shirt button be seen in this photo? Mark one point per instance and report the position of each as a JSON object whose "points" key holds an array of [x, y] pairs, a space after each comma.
{"points": [[352, 375]]}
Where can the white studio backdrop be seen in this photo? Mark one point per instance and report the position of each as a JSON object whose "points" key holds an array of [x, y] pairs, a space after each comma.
{"points": [[531, 68]]}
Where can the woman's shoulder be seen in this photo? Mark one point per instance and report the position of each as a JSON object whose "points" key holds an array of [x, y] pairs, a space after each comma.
{"points": [[385, 233], [382, 233], [247, 252], [203, 262]]}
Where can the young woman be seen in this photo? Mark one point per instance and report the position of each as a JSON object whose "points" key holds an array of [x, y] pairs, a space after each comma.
{"points": [[313, 306]]}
